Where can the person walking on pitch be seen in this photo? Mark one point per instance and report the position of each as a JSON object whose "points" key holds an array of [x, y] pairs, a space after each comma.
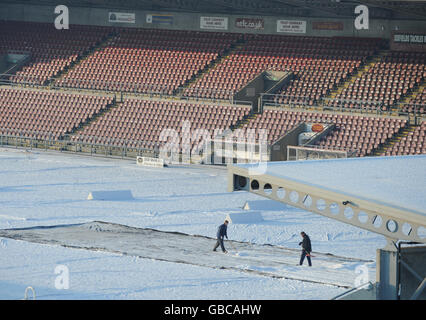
{"points": [[221, 233], [306, 249]]}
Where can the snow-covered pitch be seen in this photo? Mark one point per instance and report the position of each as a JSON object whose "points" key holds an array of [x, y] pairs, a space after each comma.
{"points": [[39, 189]]}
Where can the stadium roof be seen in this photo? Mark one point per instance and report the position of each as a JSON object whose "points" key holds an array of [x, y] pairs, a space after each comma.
{"points": [[385, 195], [307, 8]]}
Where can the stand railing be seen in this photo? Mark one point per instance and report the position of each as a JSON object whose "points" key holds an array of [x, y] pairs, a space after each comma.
{"points": [[94, 146]]}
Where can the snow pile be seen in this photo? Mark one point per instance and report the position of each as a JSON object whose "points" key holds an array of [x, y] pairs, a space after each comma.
{"points": [[245, 217], [115, 195], [265, 205]]}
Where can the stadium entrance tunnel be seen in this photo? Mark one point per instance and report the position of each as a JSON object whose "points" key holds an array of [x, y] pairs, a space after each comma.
{"points": [[263, 260]]}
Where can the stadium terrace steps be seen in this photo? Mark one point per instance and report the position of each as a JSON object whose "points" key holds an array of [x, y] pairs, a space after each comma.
{"points": [[103, 42], [352, 132], [244, 122], [331, 62], [416, 93], [149, 60], [416, 98], [52, 51], [143, 123], [409, 141], [46, 114], [325, 68], [90, 120], [385, 83], [219, 60], [350, 80], [383, 148]]}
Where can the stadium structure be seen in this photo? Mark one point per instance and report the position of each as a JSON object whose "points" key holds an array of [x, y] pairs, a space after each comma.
{"points": [[227, 82]]}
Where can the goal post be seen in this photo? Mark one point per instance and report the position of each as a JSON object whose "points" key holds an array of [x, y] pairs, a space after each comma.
{"points": [[316, 152]]}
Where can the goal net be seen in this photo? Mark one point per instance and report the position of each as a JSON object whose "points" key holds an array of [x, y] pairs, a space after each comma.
{"points": [[317, 152]]}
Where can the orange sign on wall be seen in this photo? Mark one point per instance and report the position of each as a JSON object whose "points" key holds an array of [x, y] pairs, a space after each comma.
{"points": [[317, 127]]}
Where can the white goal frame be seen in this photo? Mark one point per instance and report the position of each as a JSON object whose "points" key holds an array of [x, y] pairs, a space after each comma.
{"points": [[315, 153]]}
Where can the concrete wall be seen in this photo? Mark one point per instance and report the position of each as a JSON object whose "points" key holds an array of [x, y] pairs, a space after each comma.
{"points": [[386, 274], [250, 92], [283, 79], [3, 63], [191, 21], [279, 148]]}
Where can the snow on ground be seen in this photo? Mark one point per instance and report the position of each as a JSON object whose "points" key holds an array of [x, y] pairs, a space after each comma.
{"points": [[268, 260], [99, 275], [47, 189]]}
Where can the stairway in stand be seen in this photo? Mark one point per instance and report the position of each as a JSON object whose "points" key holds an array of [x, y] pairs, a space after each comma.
{"points": [[190, 83], [381, 150], [357, 75], [241, 123], [89, 121], [100, 46], [409, 97]]}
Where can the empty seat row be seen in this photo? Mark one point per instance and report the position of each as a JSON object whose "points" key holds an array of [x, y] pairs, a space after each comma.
{"points": [[52, 51], [360, 133], [413, 143], [386, 83], [325, 62], [144, 60], [143, 123], [44, 114]]}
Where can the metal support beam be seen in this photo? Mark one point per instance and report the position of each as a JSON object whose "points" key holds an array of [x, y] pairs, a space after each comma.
{"points": [[412, 271], [419, 290], [376, 217]]}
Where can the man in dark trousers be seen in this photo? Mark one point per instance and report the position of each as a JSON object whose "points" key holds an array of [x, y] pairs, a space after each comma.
{"points": [[221, 233], [306, 248]]}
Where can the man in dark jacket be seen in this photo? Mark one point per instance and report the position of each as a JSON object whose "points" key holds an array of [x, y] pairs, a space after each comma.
{"points": [[221, 233], [306, 248]]}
